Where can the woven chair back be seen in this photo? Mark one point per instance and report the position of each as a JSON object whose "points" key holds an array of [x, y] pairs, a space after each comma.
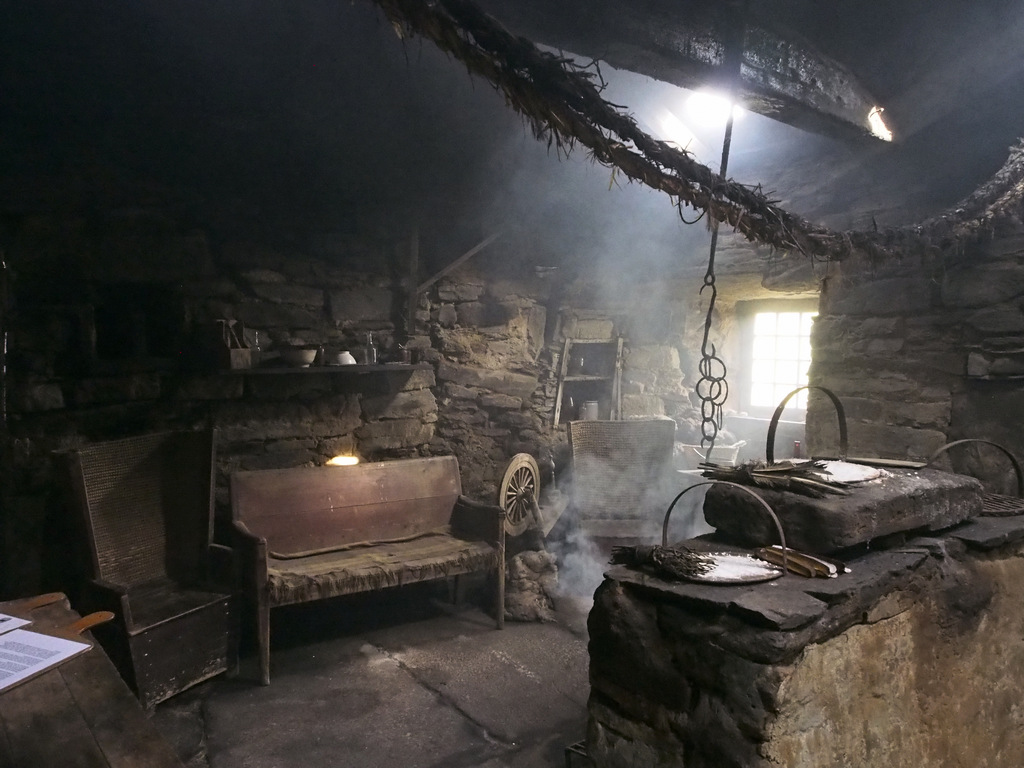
{"points": [[147, 503], [620, 467]]}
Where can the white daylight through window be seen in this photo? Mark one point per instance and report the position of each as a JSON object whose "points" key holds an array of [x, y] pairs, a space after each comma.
{"points": [[780, 357]]}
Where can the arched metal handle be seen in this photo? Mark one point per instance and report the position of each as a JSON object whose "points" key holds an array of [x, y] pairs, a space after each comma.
{"points": [[767, 508], [1010, 456], [844, 446]]}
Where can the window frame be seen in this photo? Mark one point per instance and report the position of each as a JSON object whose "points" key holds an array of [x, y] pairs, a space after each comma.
{"points": [[745, 313]]}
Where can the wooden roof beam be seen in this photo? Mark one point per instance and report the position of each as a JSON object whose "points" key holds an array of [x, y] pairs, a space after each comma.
{"points": [[683, 42]]}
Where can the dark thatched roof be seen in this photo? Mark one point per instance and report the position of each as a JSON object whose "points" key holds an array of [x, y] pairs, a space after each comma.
{"points": [[561, 101]]}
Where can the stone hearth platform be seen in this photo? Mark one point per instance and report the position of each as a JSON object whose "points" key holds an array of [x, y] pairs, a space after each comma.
{"points": [[902, 500], [911, 659]]}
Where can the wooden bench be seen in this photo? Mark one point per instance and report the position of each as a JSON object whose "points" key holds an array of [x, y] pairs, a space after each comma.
{"points": [[310, 533]]}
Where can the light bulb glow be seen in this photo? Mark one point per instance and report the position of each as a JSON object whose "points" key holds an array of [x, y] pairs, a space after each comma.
{"points": [[712, 109], [877, 125], [343, 461]]}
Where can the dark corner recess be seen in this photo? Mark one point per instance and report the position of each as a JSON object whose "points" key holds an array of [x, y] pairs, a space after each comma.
{"points": [[139, 323], [118, 327]]}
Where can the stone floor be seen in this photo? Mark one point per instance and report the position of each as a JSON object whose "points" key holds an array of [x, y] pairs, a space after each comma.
{"points": [[394, 679]]}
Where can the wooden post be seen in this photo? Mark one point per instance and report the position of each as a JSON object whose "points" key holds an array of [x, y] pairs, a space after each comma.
{"points": [[412, 267]]}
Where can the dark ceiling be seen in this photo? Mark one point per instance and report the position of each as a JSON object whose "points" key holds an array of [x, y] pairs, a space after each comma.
{"points": [[311, 116]]}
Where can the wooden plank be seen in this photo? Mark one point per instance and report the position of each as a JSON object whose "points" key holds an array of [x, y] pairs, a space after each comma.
{"points": [[377, 567], [412, 270], [419, 552], [121, 730], [168, 602], [174, 655], [562, 370], [45, 726], [456, 263], [264, 493], [77, 715], [6, 753], [310, 508], [312, 530]]}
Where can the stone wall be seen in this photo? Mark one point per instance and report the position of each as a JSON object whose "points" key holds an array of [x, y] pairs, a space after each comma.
{"points": [[109, 325], [109, 312], [922, 350]]}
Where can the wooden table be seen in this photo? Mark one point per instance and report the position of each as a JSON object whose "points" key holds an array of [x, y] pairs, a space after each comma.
{"points": [[79, 714]]}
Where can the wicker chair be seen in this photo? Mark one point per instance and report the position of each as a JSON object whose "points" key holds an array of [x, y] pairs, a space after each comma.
{"points": [[622, 476], [147, 503]]}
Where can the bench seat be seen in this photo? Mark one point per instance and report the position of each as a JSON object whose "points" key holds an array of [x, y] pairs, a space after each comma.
{"points": [[378, 566], [153, 601]]}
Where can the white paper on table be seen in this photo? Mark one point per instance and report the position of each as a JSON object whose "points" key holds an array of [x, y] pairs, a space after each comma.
{"points": [[24, 653], [7, 623]]}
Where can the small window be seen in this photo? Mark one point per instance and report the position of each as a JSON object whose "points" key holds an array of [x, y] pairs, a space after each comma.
{"points": [[778, 337]]}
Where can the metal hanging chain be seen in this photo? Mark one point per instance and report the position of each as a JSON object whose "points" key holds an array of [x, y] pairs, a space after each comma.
{"points": [[712, 387]]}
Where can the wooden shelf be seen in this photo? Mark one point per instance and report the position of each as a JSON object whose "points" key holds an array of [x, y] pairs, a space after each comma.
{"points": [[604, 387]]}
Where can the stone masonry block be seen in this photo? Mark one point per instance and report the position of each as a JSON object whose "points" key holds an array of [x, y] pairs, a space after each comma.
{"points": [[990, 365], [653, 357], [471, 314], [885, 297], [459, 291], [37, 397], [447, 316], [635, 406], [972, 287], [459, 392], [503, 382], [366, 305], [117, 389], [518, 420], [503, 402], [264, 276], [417, 404], [300, 295], [263, 314], [393, 434], [590, 329], [998, 319], [420, 378]]}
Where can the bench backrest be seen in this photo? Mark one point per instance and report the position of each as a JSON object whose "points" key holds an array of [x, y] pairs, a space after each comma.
{"points": [[306, 509]]}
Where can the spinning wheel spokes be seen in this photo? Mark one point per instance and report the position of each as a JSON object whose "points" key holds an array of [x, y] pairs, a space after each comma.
{"points": [[520, 490]]}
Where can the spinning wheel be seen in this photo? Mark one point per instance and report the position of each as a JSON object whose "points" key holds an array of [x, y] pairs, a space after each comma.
{"points": [[519, 491]]}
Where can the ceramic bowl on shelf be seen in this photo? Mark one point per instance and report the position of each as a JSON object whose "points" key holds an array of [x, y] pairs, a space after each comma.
{"points": [[344, 357], [298, 357]]}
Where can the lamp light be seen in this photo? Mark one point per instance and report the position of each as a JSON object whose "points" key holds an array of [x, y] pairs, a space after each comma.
{"points": [[712, 109], [877, 125], [343, 460]]}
